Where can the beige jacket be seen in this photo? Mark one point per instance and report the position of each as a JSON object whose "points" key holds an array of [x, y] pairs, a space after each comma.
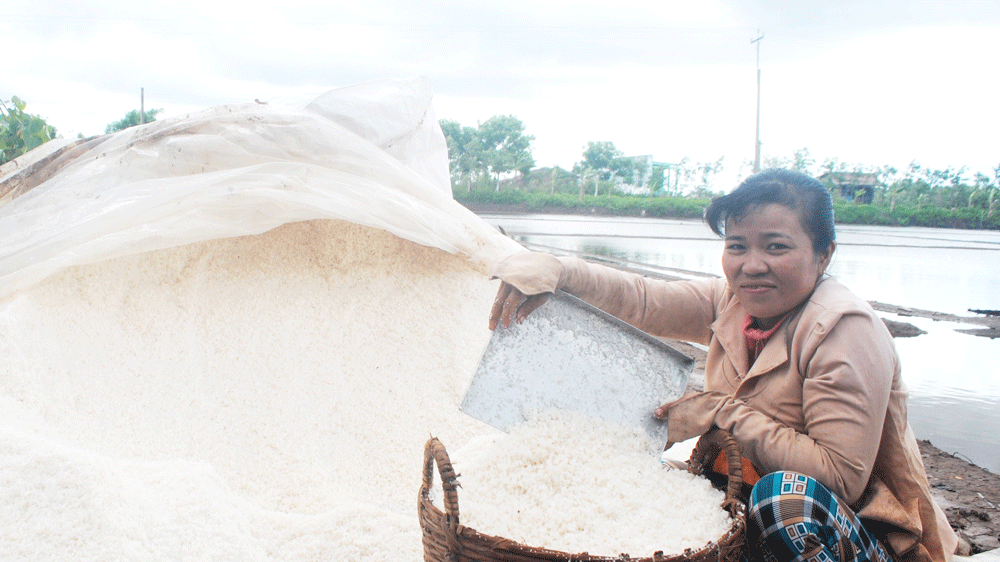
{"points": [[824, 397]]}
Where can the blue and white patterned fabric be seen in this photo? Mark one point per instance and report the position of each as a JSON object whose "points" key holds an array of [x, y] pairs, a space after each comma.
{"points": [[792, 517]]}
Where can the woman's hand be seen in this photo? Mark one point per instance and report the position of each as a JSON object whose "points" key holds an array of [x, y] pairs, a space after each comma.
{"points": [[529, 278], [692, 415], [512, 304]]}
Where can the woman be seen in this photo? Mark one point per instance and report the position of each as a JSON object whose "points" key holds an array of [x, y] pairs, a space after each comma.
{"points": [[800, 371]]}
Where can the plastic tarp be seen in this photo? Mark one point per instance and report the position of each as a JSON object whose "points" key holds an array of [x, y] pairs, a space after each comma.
{"points": [[371, 154]]}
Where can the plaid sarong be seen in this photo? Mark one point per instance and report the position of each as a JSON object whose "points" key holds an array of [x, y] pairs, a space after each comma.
{"points": [[792, 517]]}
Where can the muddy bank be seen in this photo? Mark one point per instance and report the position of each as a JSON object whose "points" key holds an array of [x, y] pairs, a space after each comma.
{"points": [[990, 323], [969, 495]]}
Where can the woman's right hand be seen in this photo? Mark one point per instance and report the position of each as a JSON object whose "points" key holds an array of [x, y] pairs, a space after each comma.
{"points": [[528, 279], [513, 304]]}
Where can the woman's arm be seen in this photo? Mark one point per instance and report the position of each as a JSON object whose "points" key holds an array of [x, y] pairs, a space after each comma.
{"points": [[678, 309], [675, 309]]}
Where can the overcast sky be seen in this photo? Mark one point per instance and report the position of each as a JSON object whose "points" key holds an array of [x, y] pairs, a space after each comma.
{"points": [[863, 81]]}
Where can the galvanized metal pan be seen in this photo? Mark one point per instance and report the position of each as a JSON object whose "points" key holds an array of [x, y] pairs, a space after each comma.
{"points": [[569, 355]]}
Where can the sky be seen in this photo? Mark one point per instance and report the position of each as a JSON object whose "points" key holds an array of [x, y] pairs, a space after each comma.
{"points": [[867, 83]]}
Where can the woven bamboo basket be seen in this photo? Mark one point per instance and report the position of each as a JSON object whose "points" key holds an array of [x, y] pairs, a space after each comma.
{"points": [[447, 540]]}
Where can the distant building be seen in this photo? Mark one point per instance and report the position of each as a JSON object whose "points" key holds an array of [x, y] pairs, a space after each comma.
{"points": [[853, 186]]}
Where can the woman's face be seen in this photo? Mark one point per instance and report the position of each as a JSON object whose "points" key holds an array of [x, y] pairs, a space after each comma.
{"points": [[770, 263]]}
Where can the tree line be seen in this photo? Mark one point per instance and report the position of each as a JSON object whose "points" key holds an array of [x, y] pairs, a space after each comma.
{"points": [[498, 149], [899, 194], [496, 156], [915, 186]]}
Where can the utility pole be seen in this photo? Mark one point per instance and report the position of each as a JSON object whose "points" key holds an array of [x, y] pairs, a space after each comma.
{"points": [[142, 104], [756, 146]]}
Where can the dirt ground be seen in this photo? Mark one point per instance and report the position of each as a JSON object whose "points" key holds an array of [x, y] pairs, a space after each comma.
{"points": [[969, 495]]}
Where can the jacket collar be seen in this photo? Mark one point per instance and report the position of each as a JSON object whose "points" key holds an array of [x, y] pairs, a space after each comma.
{"points": [[728, 330]]}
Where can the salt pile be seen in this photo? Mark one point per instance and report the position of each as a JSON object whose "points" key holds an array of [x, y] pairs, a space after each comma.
{"points": [[255, 398], [568, 482]]}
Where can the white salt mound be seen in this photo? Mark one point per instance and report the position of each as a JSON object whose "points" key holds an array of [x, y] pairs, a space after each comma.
{"points": [[257, 398], [268, 398], [567, 482]]}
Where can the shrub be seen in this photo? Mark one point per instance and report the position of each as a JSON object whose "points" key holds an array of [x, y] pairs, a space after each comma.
{"points": [[21, 132]]}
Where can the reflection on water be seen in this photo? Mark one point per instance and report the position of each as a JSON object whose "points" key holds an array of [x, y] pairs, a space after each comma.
{"points": [[954, 378], [954, 382]]}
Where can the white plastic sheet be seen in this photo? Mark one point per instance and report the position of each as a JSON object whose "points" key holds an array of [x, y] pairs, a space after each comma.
{"points": [[371, 154]]}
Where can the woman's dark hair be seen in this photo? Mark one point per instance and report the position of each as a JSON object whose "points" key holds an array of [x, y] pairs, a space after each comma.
{"points": [[795, 190]]}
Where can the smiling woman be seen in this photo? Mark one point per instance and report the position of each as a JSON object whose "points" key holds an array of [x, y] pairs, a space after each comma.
{"points": [[801, 371], [779, 241], [770, 263]]}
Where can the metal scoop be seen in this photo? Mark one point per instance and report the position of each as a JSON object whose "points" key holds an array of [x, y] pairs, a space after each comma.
{"points": [[569, 355]]}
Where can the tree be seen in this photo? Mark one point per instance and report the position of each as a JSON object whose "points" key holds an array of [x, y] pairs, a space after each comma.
{"points": [[658, 179], [633, 170], [686, 171], [889, 179], [21, 132], [833, 165], [523, 163], [746, 168], [911, 189], [801, 161], [601, 156], [131, 119], [708, 172], [769, 161], [610, 163], [505, 147], [464, 152]]}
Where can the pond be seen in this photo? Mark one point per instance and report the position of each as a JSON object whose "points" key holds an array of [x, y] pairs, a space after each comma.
{"points": [[954, 378]]}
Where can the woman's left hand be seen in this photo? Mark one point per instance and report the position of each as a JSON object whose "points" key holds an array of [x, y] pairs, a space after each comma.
{"points": [[692, 415]]}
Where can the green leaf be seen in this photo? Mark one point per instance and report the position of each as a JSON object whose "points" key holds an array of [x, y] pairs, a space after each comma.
{"points": [[33, 143], [35, 126]]}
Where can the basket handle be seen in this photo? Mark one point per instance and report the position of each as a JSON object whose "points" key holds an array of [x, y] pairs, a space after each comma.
{"points": [[704, 453], [435, 453]]}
